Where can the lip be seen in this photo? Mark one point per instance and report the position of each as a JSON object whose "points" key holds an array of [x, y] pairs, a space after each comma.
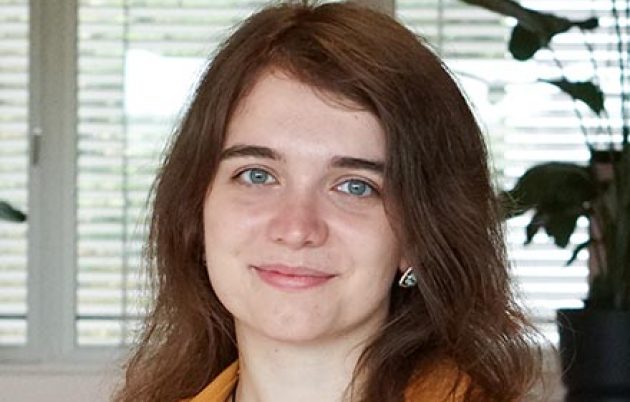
{"points": [[291, 278]]}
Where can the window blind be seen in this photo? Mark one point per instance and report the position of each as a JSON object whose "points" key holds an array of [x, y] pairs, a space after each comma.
{"points": [[127, 46], [14, 69], [527, 122], [138, 61]]}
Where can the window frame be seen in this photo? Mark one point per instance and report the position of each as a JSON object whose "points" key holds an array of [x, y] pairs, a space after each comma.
{"points": [[52, 133]]}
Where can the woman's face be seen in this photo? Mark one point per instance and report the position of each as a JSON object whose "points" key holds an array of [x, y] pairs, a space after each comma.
{"points": [[298, 245]]}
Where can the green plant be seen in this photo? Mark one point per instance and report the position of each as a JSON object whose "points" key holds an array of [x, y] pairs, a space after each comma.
{"points": [[560, 193], [8, 213]]}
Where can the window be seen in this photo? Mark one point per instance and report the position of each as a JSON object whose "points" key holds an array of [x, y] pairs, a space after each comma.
{"points": [[14, 161], [124, 119], [521, 132], [103, 124]]}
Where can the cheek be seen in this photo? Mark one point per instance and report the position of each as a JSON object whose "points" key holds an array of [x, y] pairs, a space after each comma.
{"points": [[376, 257], [227, 222], [221, 244], [372, 240], [221, 232], [230, 232]]}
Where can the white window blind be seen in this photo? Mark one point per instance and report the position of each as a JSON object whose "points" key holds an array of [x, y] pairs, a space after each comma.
{"points": [[14, 69], [527, 122], [138, 61]]}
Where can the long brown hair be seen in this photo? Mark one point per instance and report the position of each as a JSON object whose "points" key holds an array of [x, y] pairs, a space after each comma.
{"points": [[438, 195]]}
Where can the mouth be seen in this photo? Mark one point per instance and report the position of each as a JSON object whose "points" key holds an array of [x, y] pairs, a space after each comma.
{"points": [[291, 278]]}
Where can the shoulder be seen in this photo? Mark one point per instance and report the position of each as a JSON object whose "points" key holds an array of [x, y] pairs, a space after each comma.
{"points": [[220, 388], [438, 382]]}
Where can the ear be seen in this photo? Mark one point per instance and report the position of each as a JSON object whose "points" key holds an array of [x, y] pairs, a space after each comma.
{"points": [[404, 264]]}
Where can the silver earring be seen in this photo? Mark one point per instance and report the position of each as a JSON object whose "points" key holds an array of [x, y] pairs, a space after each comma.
{"points": [[408, 278]]}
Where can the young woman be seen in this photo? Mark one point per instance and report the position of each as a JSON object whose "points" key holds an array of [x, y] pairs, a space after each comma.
{"points": [[325, 229]]}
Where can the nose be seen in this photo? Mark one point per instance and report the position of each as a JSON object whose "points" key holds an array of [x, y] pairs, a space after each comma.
{"points": [[297, 222]]}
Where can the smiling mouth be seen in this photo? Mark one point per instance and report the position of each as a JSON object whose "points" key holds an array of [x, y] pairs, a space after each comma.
{"points": [[291, 278]]}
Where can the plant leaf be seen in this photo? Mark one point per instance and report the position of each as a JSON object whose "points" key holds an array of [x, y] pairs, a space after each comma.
{"points": [[8, 213], [551, 185], [558, 193], [532, 228], [560, 226], [588, 24], [534, 29], [584, 91], [524, 43], [577, 250]]}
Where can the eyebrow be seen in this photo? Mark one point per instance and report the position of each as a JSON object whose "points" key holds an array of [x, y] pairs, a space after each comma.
{"points": [[346, 162], [236, 151]]}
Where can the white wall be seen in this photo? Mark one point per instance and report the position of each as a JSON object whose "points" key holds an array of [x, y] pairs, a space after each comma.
{"points": [[57, 384]]}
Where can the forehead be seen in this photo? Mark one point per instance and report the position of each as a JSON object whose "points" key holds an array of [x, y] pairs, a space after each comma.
{"points": [[280, 111]]}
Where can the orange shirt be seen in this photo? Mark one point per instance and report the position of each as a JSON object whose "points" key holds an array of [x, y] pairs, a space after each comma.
{"points": [[433, 388]]}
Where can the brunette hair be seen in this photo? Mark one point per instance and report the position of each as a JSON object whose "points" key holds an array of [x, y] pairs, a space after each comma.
{"points": [[438, 196]]}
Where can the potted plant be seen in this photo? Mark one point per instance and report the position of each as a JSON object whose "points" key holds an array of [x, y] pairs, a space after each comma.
{"points": [[595, 340]]}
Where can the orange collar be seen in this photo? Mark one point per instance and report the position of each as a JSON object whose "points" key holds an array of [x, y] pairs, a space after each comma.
{"points": [[435, 387]]}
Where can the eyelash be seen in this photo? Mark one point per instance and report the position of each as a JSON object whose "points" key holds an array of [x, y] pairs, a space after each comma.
{"points": [[374, 192], [239, 175]]}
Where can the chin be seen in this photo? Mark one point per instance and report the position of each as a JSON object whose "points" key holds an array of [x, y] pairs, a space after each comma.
{"points": [[292, 329], [295, 332], [312, 332]]}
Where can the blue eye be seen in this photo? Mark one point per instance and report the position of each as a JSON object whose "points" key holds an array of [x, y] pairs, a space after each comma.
{"points": [[256, 176], [358, 188]]}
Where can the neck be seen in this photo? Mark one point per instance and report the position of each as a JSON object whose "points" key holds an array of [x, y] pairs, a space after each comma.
{"points": [[274, 371]]}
